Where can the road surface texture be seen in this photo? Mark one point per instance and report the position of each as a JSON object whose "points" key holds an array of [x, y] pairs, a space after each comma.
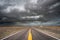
{"points": [[30, 34], [40, 36]]}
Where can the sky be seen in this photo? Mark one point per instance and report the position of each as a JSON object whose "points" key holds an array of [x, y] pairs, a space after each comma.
{"points": [[30, 12]]}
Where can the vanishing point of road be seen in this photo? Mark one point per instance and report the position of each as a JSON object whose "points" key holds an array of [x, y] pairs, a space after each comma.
{"points": [[29, 34]]}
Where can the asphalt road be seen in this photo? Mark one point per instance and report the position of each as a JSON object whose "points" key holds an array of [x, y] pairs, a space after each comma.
{"points": [[30, 34], [40, 36], [19, 36]]}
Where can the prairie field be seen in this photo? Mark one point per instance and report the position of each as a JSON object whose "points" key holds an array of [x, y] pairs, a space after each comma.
{"points": [[7, 30], [55, 29]]}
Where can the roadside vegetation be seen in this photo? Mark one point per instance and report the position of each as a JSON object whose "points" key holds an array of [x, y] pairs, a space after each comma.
{"points": [[7, 30], [55, 29]]}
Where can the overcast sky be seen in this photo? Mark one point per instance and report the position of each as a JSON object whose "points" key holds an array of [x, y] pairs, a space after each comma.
{"points": [[32, 12]]}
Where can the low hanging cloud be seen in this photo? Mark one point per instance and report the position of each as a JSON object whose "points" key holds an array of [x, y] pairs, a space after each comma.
{"points": [[40, 10]]}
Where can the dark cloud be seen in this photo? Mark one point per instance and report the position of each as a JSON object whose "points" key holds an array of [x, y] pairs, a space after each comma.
{"points": [[25, 11]]}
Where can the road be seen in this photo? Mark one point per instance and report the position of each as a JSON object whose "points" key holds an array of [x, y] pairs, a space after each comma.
{"points": [[30, 34]]}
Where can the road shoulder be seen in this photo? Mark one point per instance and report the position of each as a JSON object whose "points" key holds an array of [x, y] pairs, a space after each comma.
{"points": [[51, 34]]}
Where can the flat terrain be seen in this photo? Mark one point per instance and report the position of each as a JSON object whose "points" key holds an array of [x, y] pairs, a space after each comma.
{"points": [[7, 30], [28, 33], [51, 30], [55, 29]]}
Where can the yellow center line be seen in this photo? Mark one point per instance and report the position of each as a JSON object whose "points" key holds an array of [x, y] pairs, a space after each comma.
{"points": [[29, 35]]}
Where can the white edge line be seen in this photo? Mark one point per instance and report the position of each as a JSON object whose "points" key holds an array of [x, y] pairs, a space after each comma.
{"points": [[47, 34], [10, 35]]}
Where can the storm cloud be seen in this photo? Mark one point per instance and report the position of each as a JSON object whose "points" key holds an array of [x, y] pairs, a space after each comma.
{"points": [[30, 11]]}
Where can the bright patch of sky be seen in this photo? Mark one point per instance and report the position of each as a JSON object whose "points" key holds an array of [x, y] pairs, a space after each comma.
{"points": [[55, 5], [33, 1], [35, 23], [15, 4], [20, 8], [35, 17]]}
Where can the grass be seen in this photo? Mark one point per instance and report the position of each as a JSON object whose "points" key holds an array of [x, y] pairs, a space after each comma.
{"points": [[7, 30], [55, 29], [51, 30]]}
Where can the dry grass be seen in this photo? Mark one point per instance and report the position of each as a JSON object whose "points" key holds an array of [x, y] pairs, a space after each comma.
{"points": [[51, 30], [55, 29], [4, 31]]}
